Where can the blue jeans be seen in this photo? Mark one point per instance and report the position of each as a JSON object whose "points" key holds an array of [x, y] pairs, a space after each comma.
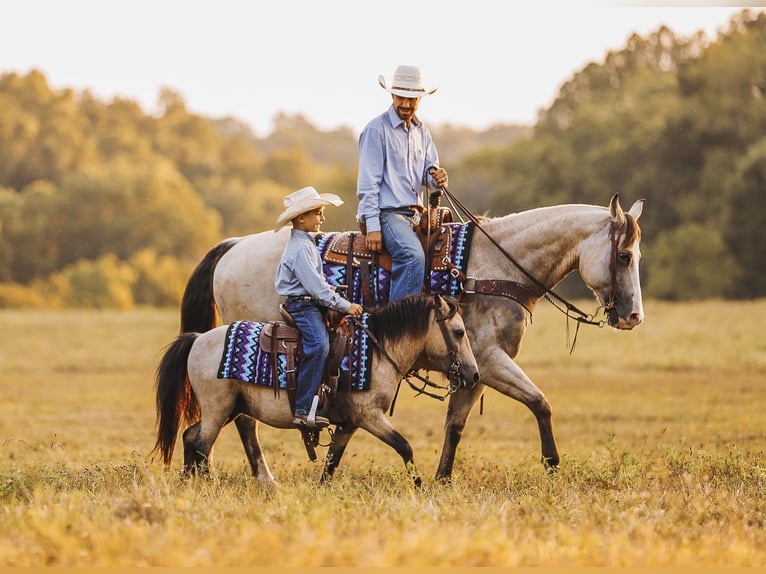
{"points": [[408, 264], [315, 341]]}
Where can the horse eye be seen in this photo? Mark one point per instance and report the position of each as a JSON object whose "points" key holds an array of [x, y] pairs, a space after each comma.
{"points": [[459, 333], [625, 257]]}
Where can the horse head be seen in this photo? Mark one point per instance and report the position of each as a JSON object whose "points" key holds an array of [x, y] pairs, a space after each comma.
{"points": [[609, 266]]}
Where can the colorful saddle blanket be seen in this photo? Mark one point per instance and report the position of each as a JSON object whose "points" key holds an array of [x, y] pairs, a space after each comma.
{"points": [[442, 282], [244, 359]]}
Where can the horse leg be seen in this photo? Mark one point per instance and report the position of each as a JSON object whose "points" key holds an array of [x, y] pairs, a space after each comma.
{"points": [[189, 437], [341, 436], [501, 373], [459, 408], [379, 426], [506, 377], [199, 438], [248, 432]]}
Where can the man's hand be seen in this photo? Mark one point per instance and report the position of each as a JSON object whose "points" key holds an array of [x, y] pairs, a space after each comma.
{"points": [[375, 241], [440, 176]]}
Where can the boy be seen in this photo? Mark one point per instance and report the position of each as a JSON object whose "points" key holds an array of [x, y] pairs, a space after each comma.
{"points": [[301, 281]]}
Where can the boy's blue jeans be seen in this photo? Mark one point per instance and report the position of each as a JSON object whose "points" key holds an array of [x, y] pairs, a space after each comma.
{"points": [[315, 341]]}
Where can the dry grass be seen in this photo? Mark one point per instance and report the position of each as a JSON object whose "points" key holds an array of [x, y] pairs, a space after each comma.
{"points": [[662, 433]]}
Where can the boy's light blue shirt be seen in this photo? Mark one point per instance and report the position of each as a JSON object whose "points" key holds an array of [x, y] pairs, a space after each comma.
{"points": [[300, 273]]}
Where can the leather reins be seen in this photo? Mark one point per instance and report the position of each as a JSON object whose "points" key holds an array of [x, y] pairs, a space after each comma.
{"points": [[570, 310]]}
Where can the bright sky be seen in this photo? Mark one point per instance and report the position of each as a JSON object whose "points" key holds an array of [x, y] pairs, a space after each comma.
{"points": [[494, 60]]}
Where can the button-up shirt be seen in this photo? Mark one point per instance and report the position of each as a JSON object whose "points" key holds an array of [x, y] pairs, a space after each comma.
{"points": [[393, 166], [300, 273]]}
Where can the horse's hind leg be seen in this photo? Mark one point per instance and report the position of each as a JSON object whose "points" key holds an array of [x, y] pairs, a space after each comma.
{"points": [[340, 438], [248, 432], [189, 438]]}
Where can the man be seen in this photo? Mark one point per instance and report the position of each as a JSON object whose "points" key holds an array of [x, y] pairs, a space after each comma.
{"points": [[397, 162]]}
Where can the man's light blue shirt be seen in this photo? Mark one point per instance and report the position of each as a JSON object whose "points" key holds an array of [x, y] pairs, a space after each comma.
{"points": [[300, 273], [393, 166]]}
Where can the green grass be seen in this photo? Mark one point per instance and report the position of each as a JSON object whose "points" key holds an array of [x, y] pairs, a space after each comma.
{"points": [[662, 433]]}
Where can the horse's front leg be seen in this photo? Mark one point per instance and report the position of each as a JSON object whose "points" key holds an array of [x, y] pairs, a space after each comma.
{"points": [[505, 376], [248, 433], [459, 407], [501, 373], [341, 436], [379, 426]]}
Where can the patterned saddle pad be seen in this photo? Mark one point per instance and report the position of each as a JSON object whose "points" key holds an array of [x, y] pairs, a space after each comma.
{"points": [[244, 359], [335, 267]]}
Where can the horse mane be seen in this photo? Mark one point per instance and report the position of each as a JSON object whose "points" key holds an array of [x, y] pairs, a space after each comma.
{"points": [[407, 317]]}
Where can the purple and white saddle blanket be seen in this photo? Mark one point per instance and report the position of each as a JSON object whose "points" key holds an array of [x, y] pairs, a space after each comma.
{"points": [[244, 360]]}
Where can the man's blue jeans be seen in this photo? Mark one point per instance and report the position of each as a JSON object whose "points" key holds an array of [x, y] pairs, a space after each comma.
{"points": [[408, 264], [316, 345]]}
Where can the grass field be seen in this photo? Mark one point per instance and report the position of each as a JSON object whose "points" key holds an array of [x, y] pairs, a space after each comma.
{"points": [[662, 433]]}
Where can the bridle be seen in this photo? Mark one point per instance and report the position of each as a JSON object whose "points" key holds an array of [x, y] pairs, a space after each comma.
{"points": [[500, 287], [453, 373]]}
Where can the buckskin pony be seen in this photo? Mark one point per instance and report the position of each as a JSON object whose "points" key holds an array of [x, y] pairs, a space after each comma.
{"points": [[201, 382]]}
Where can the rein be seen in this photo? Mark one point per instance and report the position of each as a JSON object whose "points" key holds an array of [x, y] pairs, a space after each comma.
{"points": [[569, 309]]}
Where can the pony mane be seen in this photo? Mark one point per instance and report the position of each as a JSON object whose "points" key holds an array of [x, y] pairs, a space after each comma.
{"points": [[407, 317]]}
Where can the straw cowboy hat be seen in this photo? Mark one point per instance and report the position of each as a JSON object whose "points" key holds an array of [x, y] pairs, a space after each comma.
{"points": [[304, 200], [407, 83]]}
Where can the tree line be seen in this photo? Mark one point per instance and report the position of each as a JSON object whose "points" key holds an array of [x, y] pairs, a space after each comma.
{"points": [[105, 205]]}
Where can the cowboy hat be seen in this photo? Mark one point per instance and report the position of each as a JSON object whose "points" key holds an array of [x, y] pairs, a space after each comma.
{"points": [[304, 200], [407, 83]]}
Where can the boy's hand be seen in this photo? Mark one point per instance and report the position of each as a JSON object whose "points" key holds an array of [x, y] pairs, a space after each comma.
{"points": [[355, 310]]}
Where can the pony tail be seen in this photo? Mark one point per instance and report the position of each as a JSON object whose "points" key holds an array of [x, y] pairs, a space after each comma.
{"points": [[175, 399]]}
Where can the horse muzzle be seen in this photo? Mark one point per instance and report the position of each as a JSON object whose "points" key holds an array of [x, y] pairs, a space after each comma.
{"points": [[623, 322]]}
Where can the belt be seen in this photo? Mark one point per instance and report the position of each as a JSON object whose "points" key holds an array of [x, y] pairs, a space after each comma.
{"points": [[300, 298]]}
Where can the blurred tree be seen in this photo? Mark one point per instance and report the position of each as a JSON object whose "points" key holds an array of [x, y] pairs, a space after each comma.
{"points": [[690, 262], [103, 284]]}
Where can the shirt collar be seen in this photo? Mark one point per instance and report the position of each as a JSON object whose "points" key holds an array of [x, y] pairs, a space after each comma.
{"points": [[396, 121]]}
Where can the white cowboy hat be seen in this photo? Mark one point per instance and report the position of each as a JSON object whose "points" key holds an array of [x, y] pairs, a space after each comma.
{"points": [[407, 83], [304, 200]]}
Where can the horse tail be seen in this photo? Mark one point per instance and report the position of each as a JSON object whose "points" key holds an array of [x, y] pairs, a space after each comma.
{"points": [[175, 398], [198, 310]]}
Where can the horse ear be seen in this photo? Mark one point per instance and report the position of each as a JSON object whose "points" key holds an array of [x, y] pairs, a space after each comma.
{"points": [[615, 210], [636, 209]]}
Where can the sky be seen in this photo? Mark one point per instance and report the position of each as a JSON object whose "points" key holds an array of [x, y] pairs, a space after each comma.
{"points": [[494, 61]]}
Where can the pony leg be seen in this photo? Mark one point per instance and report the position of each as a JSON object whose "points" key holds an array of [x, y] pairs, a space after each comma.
{"points": [[379, 426], [200, 437], [340, 438], [248, 432], [460, 405], [189, 437]]}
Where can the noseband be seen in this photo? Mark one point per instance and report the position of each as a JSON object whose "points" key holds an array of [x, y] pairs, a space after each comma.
{"points": [[610, 308]]}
